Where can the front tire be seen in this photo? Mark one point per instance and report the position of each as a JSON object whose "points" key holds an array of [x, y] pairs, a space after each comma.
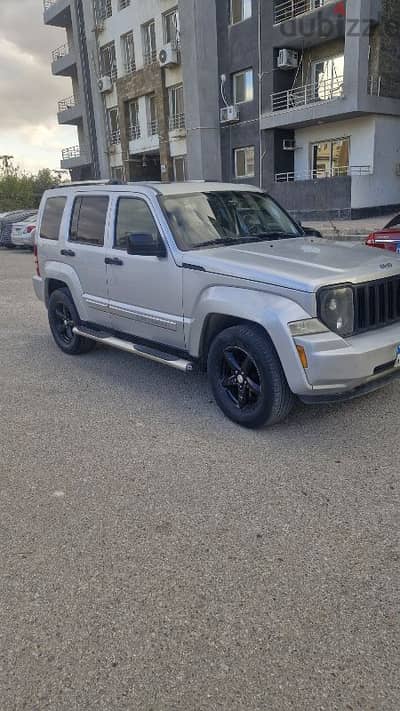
{"points": [[247, 378], [63, 316]]}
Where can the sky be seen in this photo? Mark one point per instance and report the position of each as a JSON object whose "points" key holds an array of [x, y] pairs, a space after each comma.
{"points": [[28, 92]]}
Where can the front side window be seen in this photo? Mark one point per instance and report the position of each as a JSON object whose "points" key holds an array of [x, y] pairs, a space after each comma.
{"points": [[89, 220], [240, 10], [244, 162], [243, 89], [226, 217], [133, 216], [52, 217], [330, 158]]}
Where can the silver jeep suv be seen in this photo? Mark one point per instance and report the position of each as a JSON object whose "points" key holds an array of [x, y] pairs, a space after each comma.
{"points": [[220, 276]]}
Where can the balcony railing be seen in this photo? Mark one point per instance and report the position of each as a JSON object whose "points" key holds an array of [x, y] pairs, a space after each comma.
{"points": [[70, 153], [66, 104], [176, 121], [152, 128], [62, 51], [288, 9], [307, 94], [134, 132], [382, 86], [130, 67], [150, 56], [334, 172], [123, 4]]}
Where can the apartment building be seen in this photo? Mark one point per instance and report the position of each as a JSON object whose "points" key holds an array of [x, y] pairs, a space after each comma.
{"points": [[309, 99], [124, 60]]}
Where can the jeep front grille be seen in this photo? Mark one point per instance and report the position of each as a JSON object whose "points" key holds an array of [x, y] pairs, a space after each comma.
{"points": [[377, 304]]}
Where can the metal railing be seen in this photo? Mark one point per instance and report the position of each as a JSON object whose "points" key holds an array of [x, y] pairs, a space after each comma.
{"points": [[114, 137], [134, 132], [66, 104], [152, 128], [301, 96], [150, 56], [318, 174], [288, 9], [123, 4], [72, 152], [62, 51], [176, 121], [382, 86], [130, 67]]}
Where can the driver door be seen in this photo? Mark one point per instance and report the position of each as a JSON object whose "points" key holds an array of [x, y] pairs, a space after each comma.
{"points": [[145, 292]]}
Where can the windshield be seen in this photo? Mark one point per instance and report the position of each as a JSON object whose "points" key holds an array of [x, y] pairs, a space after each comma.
{"points": [[227, 217]]}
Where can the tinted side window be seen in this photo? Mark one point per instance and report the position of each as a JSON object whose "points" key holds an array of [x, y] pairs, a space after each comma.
{"points": [[89, 220], [133, 215], [52, 216]]}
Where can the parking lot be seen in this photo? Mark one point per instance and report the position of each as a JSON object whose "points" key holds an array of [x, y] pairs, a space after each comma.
{"points": [[156, 557]]}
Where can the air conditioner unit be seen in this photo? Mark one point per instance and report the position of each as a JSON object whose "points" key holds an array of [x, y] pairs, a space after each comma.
{"points": [[104, 85], [288, 59], [169, 55], [229, 114], [289, 144]]}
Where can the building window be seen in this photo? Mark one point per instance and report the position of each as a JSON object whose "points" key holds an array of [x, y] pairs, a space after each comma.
{"points": [[108, 60], [149, 42], [179, 164], [89, 220], [103, 10], [117, 173], [330, 158], [240, 10], [122, 4], [327, 77], [243, 89], [151, 109], [114, 132], [244, 162], [176, 107], [133, 120], [128, 52], [171, 27]]}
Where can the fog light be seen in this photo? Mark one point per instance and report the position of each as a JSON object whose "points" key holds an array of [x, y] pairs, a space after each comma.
{"points": [[302, 356]]}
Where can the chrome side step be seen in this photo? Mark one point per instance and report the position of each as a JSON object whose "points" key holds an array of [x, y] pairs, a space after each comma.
{"points": [[143, 351]]}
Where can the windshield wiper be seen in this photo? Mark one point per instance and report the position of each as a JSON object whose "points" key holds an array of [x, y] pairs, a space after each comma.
{"points": [[219, 240], [261, 237]]}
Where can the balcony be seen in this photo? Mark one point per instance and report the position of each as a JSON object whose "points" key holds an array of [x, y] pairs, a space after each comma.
{"points": [[177, 126], [57, 13], [73, 157], [383, 86], [320, 174], [69, 111], [308, 94], [63, 61], [289, 9]]}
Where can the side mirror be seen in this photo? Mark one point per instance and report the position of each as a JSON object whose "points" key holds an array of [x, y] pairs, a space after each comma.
{"points": [[144, 245], [310, 232]]}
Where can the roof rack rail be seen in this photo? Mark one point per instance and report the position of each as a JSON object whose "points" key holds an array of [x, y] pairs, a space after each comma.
{"points": [[75, 183]]}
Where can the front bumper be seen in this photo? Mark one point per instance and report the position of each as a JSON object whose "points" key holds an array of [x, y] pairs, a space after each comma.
{"points": [[339, 369]]}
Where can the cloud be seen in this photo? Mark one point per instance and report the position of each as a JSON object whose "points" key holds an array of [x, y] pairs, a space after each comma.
{"points": [[28, 91]]}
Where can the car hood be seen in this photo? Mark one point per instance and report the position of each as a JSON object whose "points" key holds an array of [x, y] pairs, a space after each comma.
{"points": [[301, 263]]}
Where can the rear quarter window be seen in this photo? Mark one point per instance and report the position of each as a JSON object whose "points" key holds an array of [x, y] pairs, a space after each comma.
{"points": [[52, 217]]}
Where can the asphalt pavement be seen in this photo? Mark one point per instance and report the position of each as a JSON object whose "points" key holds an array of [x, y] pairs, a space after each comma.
{"points": [[156, 557]]}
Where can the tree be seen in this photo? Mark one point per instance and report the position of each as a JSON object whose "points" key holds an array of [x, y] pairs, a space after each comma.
{"points": [[20, 190]]}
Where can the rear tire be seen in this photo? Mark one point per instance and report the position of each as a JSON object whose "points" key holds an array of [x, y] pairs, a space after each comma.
{"points": [[63, 316], [247, 378]]}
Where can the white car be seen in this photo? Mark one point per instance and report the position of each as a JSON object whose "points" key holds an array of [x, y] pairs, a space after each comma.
{"points": [[22, 233]]}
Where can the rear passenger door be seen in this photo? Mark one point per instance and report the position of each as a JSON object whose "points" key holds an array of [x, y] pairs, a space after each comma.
{"points": [[85, 252]]}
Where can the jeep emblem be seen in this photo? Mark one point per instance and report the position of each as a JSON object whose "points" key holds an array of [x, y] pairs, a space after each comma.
{"points": [[388, 265]]}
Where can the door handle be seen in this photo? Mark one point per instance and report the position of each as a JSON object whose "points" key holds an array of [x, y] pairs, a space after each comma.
{"points": [[67, 253], [114, 260]]}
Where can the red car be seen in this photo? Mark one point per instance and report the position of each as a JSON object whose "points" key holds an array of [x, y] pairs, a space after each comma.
{"points": [[388, 237]]}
